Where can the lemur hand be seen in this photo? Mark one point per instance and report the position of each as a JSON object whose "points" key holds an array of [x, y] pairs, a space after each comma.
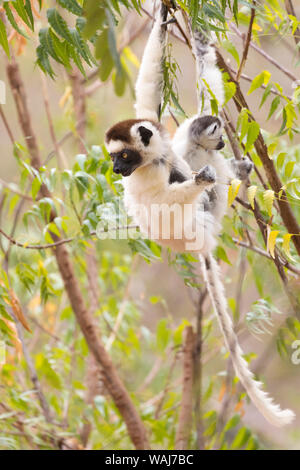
{"points": [[206, 174]]}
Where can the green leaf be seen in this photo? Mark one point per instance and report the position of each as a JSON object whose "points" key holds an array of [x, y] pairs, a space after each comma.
{"points": [[265, 94], [43, 61], [12, 20], [95, 14], [163, 334], [274, 105], [59, 24], [24, 11], [72, 6], [221, 254], [230, 47], [119, 82], [29, 13], [80, 45], [46, 42], [253, 132], [261, 79], [3, 38]]}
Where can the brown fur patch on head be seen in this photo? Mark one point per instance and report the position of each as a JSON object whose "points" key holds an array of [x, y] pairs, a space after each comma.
{"points": [[121, 130]]}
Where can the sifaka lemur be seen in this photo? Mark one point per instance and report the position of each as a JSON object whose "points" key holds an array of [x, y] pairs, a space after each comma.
{"points": [[159, 173]]}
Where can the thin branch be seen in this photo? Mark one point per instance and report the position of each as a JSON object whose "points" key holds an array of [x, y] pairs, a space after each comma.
{"points": [[33, 374], [247, 43], [15, 190], [197, 376], [250, 80], [291, 11], [61, 160], [186, 408], [264, 253], [6, 125], [265, 55], [59, 242]]}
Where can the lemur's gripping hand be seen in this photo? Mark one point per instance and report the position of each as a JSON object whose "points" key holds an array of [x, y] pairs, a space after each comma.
{"points": [[207, 174], [242, 168]]}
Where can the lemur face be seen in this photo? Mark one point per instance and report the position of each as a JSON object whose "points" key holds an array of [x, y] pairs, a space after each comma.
{"points": [[207, 132], [132, 144]]}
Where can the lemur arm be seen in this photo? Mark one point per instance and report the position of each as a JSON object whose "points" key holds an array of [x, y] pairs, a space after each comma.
{"points": [[207, 71], [149, 83]]}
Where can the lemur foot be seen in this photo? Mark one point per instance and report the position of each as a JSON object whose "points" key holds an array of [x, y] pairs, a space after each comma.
{"points": [[245, 166], [242, 168], [207, 174]]}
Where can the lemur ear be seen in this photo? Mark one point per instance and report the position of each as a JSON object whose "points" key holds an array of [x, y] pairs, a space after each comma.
{"points": [[145, 134]]}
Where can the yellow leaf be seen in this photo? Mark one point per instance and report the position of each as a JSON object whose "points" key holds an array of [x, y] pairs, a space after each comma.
{"points": [[271, 242], [222, 391], [256, 27], [286, 244], [65, 97], [268, 197], [251, 191], [14, 337], [239, 408], [233, 190], [15, 304], [131, 57]]}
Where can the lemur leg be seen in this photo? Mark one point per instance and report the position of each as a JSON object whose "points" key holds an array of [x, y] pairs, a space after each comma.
{"points": [[187, 192], [241, 168], [149, 84]]}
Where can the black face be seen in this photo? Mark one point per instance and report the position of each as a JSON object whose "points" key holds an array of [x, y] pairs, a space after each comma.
{"points": [[221, 144], [126, 161]]}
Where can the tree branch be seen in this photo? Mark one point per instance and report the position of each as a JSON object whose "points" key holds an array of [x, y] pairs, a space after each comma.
{"points": [[285, 210], [186, 408], [116, 388], [247, 43]]}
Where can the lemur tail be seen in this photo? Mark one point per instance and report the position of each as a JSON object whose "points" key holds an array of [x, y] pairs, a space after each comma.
{"points": [[149, 84], [209, 76], [271, 411]]}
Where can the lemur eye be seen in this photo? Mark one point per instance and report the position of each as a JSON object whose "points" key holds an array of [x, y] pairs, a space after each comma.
{"points": [[112, 158], [124, 155]]}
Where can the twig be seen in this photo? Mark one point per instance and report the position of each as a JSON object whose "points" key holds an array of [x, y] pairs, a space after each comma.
{"points": [[61, 160], [15, 190], [186, 408], [6, 125], [247, 43], [265, 55], [33, 374], [291, 11], [197, 376], [59, 242], [264, 253], [162, 395]]}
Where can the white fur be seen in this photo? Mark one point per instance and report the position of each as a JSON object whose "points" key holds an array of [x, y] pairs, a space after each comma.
{"points": [[149, 185], [271, 411], [150, 79]]}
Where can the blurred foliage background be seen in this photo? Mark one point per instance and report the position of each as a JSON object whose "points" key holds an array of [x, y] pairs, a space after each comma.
{"points": [[74, 63]]}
